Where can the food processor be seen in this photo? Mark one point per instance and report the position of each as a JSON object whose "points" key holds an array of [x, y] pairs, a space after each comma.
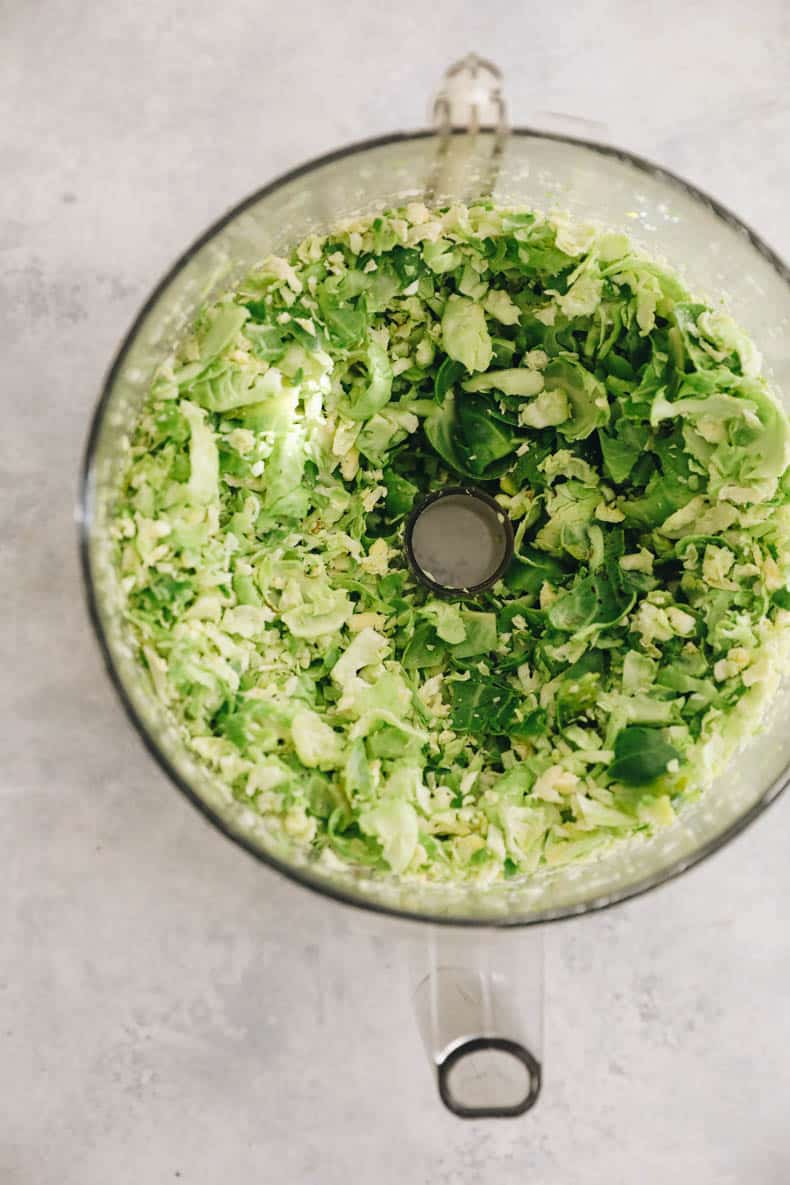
{"points": [[475, 952]]}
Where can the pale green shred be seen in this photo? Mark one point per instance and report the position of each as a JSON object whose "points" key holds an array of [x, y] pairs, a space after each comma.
{"points": [[624, 427]]}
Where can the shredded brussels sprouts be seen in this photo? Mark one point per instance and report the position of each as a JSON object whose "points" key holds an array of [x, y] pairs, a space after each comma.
{"points": [[623, 426]]}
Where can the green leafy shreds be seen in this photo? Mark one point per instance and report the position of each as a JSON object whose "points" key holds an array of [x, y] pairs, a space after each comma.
{"points": [[623, 426]]}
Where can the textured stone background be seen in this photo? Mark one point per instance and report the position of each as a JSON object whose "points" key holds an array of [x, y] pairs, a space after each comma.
{"points": [[168, 1009]]}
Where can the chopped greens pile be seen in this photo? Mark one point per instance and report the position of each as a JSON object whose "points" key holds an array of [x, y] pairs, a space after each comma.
{"points": [[624, 427]]}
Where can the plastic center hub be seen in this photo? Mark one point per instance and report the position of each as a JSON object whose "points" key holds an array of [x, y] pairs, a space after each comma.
{"points": [[459, 540]]}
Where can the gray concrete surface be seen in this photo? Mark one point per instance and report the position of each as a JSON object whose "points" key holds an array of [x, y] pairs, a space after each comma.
{"points": [[169, 1011]]}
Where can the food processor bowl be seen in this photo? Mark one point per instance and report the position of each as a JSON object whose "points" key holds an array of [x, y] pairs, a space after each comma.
{"points": [[469, 152]]}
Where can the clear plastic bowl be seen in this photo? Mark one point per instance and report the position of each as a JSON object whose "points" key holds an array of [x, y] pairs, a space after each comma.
{"points": [[716, 254]]}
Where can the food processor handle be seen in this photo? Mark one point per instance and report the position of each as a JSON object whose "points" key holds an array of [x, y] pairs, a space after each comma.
{"points": [[478, 996], [469, 101]]}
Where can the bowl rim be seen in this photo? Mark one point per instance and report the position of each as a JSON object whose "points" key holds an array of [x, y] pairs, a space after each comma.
{"points": [[302, 875]]}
